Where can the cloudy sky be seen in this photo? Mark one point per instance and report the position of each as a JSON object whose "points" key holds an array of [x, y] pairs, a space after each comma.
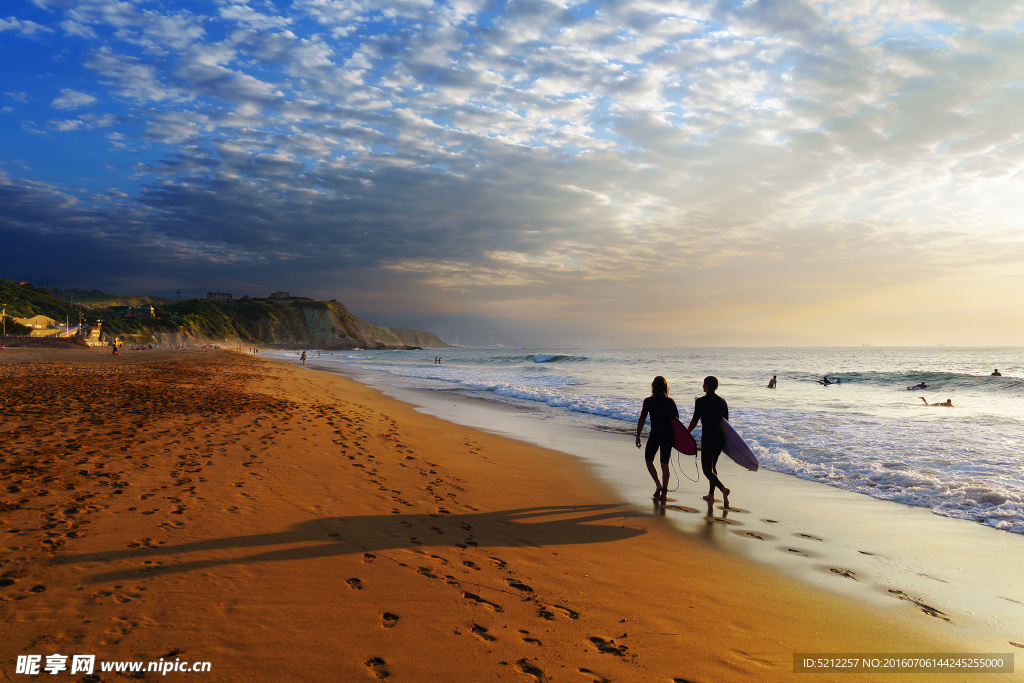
{"points": [[625, 172]]}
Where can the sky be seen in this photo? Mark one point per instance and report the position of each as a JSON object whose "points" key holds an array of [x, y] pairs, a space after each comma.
{"points": [[677, 173]]}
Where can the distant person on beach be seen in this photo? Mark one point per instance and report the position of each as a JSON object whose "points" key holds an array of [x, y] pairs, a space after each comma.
{"points": [[711, 409], [303, 357], [996, 373], [662, 409], [948, 403], [771, 383]]}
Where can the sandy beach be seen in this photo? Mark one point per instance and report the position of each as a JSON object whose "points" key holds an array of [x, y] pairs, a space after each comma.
{"points": [[282, 523]]}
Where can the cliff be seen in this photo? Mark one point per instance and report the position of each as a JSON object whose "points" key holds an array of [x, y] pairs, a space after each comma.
{"points": [[288, 322]]}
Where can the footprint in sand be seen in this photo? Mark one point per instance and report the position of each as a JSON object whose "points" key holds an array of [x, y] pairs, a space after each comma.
{"points": [[481, 633], [547, 614], [377, 667], [810, 537], [598, 678], [355, 584], [927, 609], [518, 585], [608, 646], [847, 573], [530, 670], [387, 619], [751, 534], [477, 600]]}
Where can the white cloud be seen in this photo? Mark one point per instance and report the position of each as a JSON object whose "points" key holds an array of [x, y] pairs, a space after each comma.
{"points": [[71, 99], [23, 26]]}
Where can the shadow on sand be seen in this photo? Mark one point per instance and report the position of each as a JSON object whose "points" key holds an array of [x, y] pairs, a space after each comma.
{"points": [[332, 536]]}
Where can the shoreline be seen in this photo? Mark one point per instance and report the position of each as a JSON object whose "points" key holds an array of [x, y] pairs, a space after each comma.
{"points": [[285, 524], [873, 550]]}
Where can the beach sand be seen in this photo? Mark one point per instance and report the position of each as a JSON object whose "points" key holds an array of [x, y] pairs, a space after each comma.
{"points": [[287, 524]]}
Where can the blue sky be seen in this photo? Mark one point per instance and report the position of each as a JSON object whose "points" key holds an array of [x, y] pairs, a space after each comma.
{"points": [[681, 172]]}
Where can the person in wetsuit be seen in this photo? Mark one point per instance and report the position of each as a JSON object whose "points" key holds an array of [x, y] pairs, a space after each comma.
{"points": [[662, 409], [710, 409]]}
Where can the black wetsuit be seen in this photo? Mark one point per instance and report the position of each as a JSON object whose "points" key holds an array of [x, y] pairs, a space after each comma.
{"points": [[711, 408], [661, 409]]}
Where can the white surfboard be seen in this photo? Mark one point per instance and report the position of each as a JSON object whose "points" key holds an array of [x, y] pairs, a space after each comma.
{"points": [[736, 449]]}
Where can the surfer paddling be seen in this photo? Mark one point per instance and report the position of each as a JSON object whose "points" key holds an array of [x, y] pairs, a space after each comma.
{"points": [[711, 409], [662, 409]]}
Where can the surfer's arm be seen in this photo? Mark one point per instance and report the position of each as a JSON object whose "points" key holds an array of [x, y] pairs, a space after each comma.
{"points": [[696, 416], [640, 423]]}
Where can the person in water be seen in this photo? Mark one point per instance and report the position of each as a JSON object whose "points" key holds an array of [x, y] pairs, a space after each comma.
{"points": [[662, 409], [919, 385], [996, 373], [771, 383], [948, 403], [711, 409]]}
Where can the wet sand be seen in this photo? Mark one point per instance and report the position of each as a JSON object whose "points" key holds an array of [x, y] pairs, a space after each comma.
{"points": [[288, 524]]}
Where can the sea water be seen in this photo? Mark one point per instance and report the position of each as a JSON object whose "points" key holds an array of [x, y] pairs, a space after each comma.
{"points": [[867, 434]]}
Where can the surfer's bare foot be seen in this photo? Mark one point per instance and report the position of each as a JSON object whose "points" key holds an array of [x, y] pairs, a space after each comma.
{"points": [[709, 498], [725, 496], [657, 492], [664, 495]]}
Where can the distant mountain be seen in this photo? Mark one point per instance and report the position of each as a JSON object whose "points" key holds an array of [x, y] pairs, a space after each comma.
{"points": [[288, 322]]}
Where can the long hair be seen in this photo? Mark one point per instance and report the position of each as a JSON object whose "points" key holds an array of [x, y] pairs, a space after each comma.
{"points": [[659, 387]]}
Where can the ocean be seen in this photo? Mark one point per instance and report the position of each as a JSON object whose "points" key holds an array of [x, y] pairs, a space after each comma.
{"points": [[868, 434]]}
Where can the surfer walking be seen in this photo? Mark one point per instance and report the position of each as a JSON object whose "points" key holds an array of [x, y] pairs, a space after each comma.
{"points": [[662, 409], [711, 409]]}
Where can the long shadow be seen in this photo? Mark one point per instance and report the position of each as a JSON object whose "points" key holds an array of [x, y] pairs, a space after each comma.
{"points": [[331, 536]]}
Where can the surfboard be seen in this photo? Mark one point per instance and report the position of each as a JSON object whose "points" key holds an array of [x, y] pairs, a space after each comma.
{"points": [[681, 439], [736, 449]]}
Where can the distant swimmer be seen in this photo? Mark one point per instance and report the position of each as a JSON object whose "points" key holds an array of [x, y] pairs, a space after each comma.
{"points": [[771, 383], [996, 373], [919, 385], [825, 381], [948, 403], [662, 409]]}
